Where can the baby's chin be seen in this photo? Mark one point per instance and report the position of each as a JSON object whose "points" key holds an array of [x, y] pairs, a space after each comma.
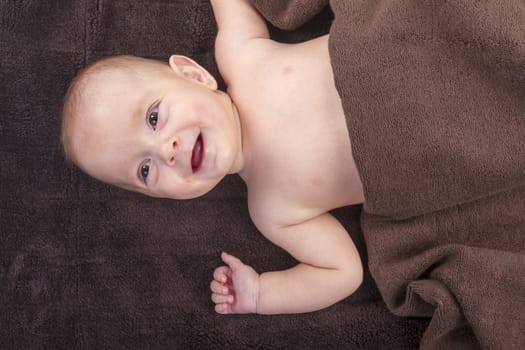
{"points": [[191, 194]]}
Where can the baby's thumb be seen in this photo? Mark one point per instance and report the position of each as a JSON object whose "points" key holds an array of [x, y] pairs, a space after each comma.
{"points": [[230, 260]]}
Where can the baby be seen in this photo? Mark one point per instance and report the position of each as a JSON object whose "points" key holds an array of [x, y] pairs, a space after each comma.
{"points": [[165, 130]]}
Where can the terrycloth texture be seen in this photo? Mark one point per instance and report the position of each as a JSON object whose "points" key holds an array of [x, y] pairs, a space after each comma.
{"points": [[86, 266], [434, 95], [463, 265], [289, 14]]}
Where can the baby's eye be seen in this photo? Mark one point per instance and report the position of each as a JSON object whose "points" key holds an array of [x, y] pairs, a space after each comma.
{"points": [[153, 117], [144, 170]]}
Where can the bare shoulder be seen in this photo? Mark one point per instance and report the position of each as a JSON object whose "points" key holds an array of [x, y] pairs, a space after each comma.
{"points": [[271, 212], [243, 43], [239, 59], [263, 208]]}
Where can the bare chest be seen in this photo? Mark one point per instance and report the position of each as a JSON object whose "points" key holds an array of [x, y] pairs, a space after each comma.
{"points": [[300, 155], [302, 163]]}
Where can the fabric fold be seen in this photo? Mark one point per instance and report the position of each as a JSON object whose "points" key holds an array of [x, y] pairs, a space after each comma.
{"points": [[289, 14]]}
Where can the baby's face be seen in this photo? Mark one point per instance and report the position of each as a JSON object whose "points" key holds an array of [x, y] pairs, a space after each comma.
{"points": [[161, 132]]}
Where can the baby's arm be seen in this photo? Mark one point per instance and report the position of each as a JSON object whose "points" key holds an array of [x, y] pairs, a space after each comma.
{"points": [[329, 270], [238, 19], [238, 22]]}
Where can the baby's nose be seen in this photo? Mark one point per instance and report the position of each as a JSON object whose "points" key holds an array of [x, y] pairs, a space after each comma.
{"points": [[169, 151]]}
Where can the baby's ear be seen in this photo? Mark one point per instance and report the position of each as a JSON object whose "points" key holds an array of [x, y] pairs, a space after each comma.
{"points": [[191, 70]]}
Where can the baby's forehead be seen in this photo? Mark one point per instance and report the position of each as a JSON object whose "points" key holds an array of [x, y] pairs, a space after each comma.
{"points": [[107, 77], [105, 85], [125, 66], [123, 74]]}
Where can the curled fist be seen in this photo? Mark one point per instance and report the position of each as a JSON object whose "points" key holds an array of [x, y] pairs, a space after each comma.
{"points": [[235, 287]]}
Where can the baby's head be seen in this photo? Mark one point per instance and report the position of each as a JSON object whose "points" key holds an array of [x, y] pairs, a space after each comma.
{"points": [[160, 129]]}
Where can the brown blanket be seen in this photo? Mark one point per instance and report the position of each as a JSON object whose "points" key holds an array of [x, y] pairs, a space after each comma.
{"points": [[434, 95], [87, 266]]}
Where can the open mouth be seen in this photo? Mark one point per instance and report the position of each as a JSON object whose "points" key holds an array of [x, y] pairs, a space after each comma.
{"points": [[198, 154]]}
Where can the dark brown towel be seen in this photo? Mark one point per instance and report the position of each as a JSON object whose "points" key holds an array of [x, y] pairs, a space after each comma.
{"points": [[88, 266], [434, 95]]}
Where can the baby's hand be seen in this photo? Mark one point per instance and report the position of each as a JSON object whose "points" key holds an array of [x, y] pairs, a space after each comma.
{"points": [[234, 287]]}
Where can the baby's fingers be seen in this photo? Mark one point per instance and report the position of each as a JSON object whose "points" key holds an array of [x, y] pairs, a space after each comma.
{"points": [[218, 288], [223, 308], [221, 274], [222, 299]]}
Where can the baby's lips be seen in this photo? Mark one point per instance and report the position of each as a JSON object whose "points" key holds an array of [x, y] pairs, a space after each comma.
{"points": [[197, 154]]}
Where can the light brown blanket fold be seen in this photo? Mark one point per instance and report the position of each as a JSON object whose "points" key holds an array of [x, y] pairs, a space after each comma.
{"points": [[434, 96], [466, 263]]}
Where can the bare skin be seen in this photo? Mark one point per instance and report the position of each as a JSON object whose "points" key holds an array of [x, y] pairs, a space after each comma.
{"points": [[166, 131], [298, 166]]}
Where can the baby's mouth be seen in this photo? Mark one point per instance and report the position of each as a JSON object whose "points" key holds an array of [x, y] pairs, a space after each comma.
{"points": [[197, 154]]}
